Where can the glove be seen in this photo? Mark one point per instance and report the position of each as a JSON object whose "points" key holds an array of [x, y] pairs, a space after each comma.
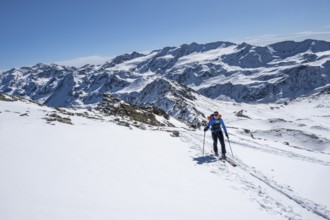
{"points": [[206, 128], [227, 135]]}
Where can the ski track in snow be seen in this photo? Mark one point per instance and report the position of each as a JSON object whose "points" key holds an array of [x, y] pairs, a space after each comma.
{"points": [[261, 186], [287, 191], [280, 152]]}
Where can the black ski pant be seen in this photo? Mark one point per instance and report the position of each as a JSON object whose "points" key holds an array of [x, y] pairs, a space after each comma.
{"points": [[218, 135]]}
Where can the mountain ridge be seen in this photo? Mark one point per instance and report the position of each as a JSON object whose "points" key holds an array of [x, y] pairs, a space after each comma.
{"points": [[219, 70]]}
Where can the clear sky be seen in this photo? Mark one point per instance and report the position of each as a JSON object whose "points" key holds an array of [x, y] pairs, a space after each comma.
{"points": [[74, 32]]}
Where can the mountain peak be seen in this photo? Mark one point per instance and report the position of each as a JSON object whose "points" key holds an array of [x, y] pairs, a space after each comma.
{"points": [[171, 77]]}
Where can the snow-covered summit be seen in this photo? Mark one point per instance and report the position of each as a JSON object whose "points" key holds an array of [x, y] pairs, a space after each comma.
{"points": [[221, 70]]}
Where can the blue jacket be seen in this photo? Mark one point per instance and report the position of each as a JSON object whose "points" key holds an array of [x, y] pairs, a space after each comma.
{"points": [[216, 125]]}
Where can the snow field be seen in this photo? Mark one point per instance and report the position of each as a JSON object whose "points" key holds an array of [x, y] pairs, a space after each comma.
{"points": [[98, 170]]}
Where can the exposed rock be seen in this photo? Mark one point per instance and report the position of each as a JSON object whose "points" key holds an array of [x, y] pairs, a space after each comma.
{"points": [[7, 98], [172, 98], [55, 117], [175, 133], [241, 114], [114, 106]]}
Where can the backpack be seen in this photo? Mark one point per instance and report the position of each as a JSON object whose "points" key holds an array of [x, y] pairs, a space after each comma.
{"points": [[211, 116]]}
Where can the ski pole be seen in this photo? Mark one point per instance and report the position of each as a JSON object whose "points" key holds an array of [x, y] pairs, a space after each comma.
{"points": [[203, 143], [230, 147]]}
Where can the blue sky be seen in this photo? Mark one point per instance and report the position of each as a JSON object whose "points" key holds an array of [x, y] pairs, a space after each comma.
{"points": [[74, 32]]}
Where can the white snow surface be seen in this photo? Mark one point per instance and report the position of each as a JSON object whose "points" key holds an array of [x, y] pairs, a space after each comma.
{"points": [[206, 56], [95, 169]]}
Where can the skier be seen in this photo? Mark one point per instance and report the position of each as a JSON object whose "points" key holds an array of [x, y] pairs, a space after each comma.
{"points": [[216, 123]]}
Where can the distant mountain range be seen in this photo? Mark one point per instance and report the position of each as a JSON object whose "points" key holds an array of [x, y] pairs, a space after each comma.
{"points": [[172, 77]]}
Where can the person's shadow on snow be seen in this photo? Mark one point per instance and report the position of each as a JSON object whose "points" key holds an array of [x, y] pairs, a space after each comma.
{"points": [[205, 159]]}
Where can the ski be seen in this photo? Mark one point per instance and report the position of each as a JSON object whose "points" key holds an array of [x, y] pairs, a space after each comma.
{"points": [[229, 160]]}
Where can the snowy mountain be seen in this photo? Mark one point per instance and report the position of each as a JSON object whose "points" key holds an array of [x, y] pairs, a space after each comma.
{"points": [[174, 99], [103, 163], [221, 70]]}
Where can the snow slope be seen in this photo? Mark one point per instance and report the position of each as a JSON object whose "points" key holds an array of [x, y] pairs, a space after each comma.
{"points": [[95, 169], [286, 147]]}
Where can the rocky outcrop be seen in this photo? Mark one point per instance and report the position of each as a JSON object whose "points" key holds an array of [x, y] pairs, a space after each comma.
{"points": [[128, 114]]}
